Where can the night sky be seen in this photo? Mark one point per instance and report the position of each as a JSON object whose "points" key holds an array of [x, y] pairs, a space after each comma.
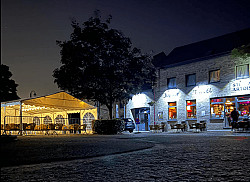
{"points": [[30, 29]]}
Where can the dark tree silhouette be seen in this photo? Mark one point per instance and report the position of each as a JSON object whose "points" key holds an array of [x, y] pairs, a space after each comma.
{"points": [[241, 52], [8, 87], [100, 63]]}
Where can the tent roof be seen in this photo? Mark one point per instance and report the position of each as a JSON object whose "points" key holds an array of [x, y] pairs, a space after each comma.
{"points": [[60, 100]]}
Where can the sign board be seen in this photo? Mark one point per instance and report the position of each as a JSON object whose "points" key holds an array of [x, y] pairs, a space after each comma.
{"points": [[137, 121], [240, 87]]}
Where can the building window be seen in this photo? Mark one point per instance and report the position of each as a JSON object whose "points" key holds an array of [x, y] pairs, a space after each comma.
{"points": [[36, 120], [87, 119], [171, 83], [244, 106], [172, 111], [229, 105], [191, 109], [59, 119], [47, 120], [190, 80], [214, 76], [242, 71], [217, 108]]}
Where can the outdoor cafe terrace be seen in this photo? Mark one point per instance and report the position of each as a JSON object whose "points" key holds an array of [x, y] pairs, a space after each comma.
{"points": [[58, 113]]}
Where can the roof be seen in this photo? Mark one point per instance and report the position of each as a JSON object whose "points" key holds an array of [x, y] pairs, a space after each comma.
{"points": [[59, 100], [203, 50], [159, 59]]}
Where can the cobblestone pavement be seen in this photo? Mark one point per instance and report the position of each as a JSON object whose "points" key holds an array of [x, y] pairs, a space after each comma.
{"points": [[209, 156]]}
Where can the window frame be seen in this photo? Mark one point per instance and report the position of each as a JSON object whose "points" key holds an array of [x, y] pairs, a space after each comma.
{"points": [[210, 76], [187, 80], [238, 78], [192, 105], [168, 79], [172, 107]]}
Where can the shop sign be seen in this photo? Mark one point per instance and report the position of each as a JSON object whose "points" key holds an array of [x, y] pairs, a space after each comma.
{"points": [[240, 86], [203, 89], [171, 93]]}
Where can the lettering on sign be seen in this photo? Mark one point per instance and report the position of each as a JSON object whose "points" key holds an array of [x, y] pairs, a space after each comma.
{"points": [[203, 91], [168, 95], [240, 86]]}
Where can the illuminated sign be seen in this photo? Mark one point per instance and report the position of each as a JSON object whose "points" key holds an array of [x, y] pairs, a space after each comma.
{"points": [[203, 89], [171, 93], [240, 86]]}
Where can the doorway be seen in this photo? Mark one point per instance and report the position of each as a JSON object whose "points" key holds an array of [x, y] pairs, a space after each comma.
{"points": [[143, 116], [74, 118]]}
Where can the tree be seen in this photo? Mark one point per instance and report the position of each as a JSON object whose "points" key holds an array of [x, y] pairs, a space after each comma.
{"points": [[100, 63], [8, 87], [241, 52]]}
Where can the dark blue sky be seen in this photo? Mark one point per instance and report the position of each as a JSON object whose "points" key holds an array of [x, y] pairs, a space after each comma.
{"points": [[30, 29]]}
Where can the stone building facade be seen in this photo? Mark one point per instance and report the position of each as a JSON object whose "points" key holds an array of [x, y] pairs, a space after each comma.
{"points": [[204, 89]]}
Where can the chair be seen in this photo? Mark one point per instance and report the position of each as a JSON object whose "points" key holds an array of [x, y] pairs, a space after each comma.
{"points": [[74, 128], [51, 127], [154, 128], [37, 128], [44, 127], [7, 128], [192, 126], [29, 127], [65, 129], [83, 127], [198, 126], [203, 125], [184, 126], [162, 127], [58, 127], [174, 127]]}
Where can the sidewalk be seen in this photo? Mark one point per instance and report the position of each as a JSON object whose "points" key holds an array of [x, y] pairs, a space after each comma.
{"points": [[203, 133]]}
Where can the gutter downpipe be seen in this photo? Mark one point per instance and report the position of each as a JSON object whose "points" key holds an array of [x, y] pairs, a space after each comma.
{"points": [[154, 106]]}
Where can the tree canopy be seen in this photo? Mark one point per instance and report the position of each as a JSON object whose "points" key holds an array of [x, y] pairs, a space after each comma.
{"points": [[241, 52], [8, 87], [99, 63]]}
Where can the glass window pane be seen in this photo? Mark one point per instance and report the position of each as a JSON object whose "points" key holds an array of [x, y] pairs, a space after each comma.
{"points": [[191, 109], [217, 108], [190, 80], [216, 100], [229, 106], [214, 76], [172, 110], [172, 104], [242, 71], [171, 82], [244, 106]]}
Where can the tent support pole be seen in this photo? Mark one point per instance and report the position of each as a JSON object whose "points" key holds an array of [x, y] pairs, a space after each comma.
{"points": [[21, 119]]}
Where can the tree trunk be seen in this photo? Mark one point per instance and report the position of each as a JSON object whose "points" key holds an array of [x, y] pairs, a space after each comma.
{"points": [[110, 108]]}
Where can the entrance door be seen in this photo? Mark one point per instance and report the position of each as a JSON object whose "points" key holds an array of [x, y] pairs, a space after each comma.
{"points": [[143, 114], [229, 107]]}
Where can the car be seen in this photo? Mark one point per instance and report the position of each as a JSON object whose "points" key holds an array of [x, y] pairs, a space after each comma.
{"points": [[129, 124]]}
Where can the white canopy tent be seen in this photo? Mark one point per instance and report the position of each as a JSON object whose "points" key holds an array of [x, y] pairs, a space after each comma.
{"points": [[54, 106]]}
